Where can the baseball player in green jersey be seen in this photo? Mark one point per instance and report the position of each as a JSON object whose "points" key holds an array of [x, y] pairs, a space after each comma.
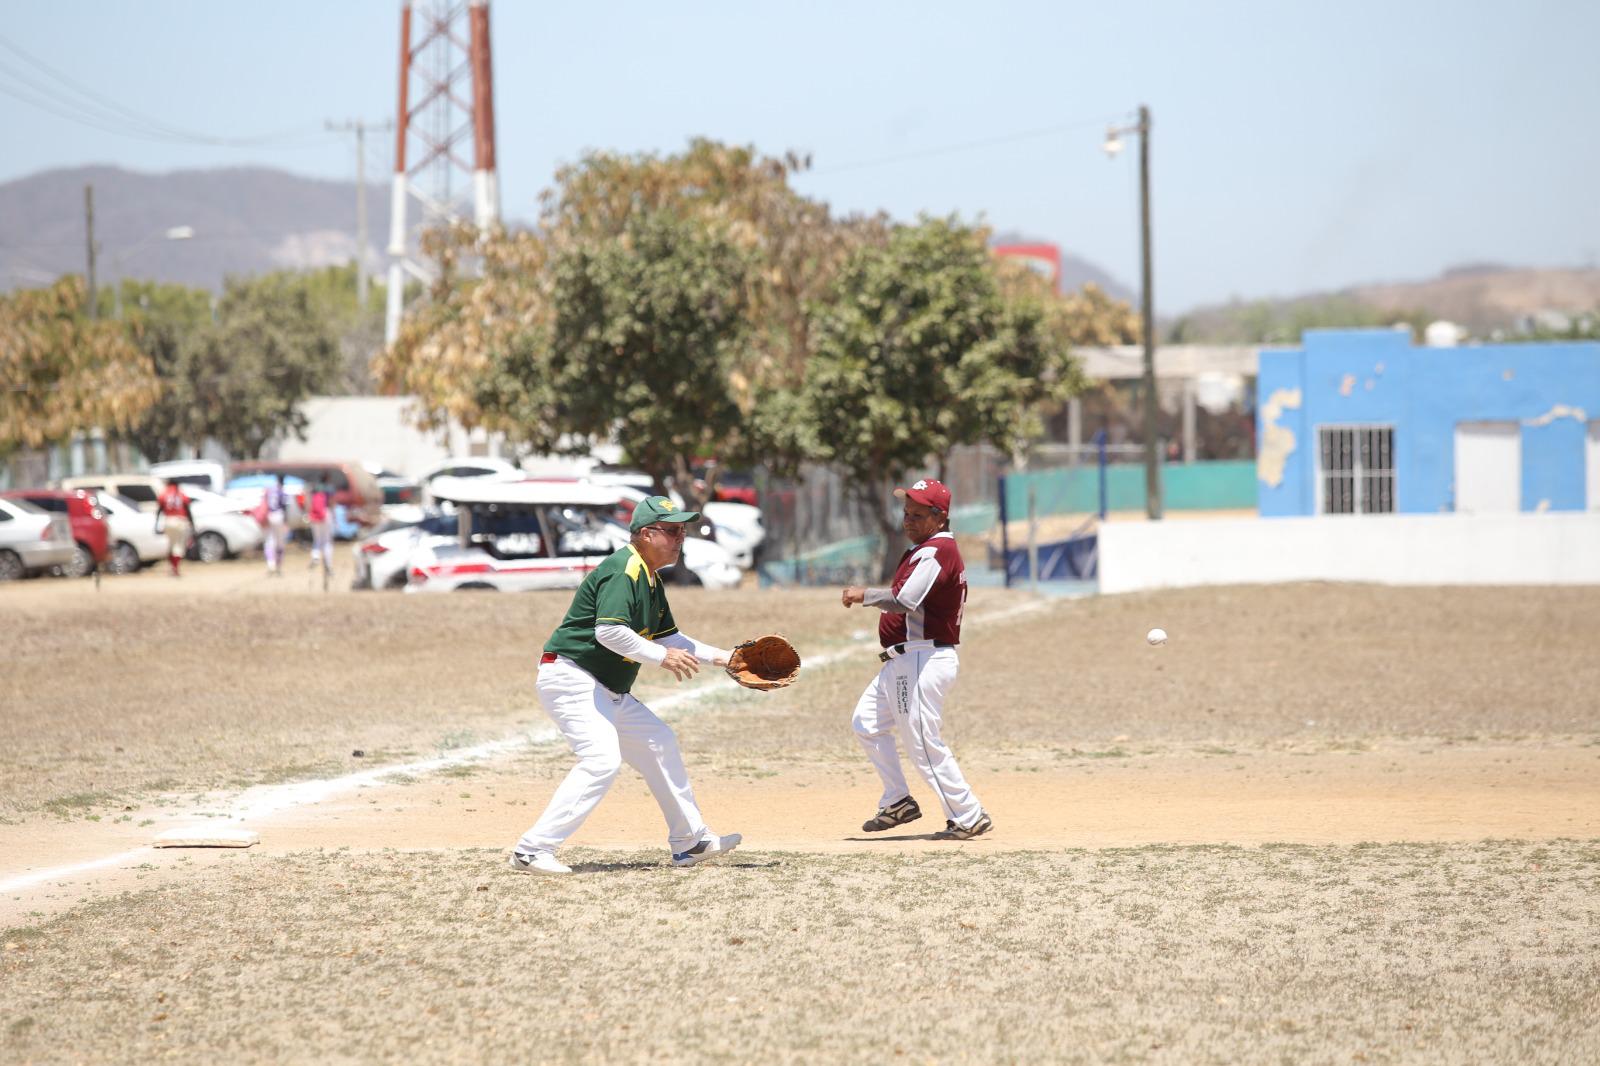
{"points": [[619, 620]]}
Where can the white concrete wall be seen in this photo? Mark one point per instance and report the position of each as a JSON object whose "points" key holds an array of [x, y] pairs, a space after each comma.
{"points": [[378, 429], [1450, 549], [381, 429]]}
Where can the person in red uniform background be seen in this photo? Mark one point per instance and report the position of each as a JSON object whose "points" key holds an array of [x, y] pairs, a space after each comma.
{"points": [[920, 628], [177, 520]]}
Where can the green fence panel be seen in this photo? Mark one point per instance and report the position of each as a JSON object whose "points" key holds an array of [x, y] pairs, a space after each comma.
{"points": [[1216, 485], [974, 518]]}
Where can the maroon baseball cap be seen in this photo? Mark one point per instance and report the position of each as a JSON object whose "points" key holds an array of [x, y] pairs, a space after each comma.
{"points": [[929, 493]]}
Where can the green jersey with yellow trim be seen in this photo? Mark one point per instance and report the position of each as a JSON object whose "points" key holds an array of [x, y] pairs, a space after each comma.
{"points": [[622, 590]]}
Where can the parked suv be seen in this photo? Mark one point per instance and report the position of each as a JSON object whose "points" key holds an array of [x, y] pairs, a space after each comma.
{"points": [[90, 533], [353, 488]]}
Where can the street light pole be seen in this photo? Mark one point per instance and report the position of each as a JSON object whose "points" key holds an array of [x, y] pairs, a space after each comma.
{"points": [[1152, 470], [1152, 467]]}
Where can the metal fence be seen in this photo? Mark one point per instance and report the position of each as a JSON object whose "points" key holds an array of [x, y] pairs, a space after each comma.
{"points": [[820, 534]]}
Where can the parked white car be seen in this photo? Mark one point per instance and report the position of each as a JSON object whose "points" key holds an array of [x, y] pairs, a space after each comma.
{"points": [[735, 526], [540, 535], [468, 468], [134, 540], [382, 560], [32, 540], [222, 527]]}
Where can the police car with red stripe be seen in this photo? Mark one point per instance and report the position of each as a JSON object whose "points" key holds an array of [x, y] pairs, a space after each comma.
{"points": [[517, 536]]}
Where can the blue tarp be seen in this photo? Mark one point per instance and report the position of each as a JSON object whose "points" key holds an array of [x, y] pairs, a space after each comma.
{"points": [[1076, 558]]}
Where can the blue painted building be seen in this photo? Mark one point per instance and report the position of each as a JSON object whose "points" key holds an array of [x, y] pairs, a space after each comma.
{"points": [[1363, 421]]}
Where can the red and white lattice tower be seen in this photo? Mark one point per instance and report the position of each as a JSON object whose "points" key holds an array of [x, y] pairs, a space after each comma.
{"points": [[446, 97]]}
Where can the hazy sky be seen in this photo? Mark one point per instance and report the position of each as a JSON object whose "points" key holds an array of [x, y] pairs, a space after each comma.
{"points": [[1296, 145]]}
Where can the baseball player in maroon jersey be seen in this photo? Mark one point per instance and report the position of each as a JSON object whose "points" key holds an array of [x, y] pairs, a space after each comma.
{"points": [[919, 629]]}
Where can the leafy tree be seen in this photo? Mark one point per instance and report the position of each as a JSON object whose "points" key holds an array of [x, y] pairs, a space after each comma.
{"points": [[61, 373], [918, 351], [236, 375], [465, 351], [160, 319], [468, 353], [267, 351], [358, 330], [645, 328], [796, 241], [1085, 318]]}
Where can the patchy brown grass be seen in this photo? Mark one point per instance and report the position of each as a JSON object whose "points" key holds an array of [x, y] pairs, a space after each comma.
{"points": [[139, 689], [977, 953], [1378, 954]]}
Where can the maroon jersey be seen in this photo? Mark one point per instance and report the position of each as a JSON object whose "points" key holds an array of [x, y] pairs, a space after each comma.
{"points": [[929, 593]]}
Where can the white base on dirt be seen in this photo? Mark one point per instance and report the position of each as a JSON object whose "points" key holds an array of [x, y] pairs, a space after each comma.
{"points": [[207, 836]]}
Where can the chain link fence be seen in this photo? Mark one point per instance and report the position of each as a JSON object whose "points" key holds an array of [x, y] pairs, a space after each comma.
{"points": [[818, 533]]}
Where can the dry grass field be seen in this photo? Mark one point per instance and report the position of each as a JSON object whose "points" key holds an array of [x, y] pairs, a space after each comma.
{"points": [[1326, 823]]}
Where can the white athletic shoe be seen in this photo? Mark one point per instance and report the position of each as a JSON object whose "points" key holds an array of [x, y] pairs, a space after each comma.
{"points": [[707, 848], [537, 862]]}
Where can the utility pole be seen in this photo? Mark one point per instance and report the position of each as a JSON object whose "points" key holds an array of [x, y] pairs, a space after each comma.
{"points": [[88, 220], [1152, 469], [360, 128]]}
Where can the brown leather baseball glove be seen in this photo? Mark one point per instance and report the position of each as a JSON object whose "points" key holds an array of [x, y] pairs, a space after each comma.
{"points": [[764, 663]]}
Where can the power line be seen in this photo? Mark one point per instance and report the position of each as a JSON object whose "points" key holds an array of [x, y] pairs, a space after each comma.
{"points": [[90, 108], [198, 238], [965, 146]]}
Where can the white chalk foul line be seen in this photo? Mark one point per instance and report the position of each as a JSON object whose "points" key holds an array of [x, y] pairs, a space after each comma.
{"points": [[28, 880], [270, 799]]}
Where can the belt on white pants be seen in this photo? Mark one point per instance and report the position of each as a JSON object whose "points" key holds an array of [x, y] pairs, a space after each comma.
{"points": [[894, 651]]}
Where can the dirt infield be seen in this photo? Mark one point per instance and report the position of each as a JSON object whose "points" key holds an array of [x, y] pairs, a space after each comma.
{"points": [[1324, 822]]}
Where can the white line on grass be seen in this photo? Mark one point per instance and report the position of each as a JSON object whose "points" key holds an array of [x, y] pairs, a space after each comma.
{"points": [[270, 799], [27, 880]]}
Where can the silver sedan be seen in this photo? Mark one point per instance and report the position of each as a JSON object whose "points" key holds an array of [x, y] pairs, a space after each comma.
{"points": [[32, 540]]}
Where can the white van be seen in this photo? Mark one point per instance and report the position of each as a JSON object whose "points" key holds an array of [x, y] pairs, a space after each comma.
{"points": [[142, 489], [207, 475]]}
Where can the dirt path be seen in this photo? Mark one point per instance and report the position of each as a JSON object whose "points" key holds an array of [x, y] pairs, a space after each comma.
{"points": [[1407, 792]]}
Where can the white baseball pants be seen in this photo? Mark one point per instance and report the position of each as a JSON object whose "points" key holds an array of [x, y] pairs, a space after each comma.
{"points": [[277, 538], [606, 729], [906, 701], [322, 542]]}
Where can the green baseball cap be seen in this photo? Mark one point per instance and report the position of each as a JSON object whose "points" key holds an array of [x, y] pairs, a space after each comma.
{"points": [[653, 509]]}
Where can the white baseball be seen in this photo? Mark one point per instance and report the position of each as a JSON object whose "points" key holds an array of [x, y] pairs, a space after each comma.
{"points": [[1156, 636]]}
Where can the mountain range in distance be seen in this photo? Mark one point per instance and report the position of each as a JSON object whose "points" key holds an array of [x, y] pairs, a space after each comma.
{"points": [[245, 220], [250, 220]]}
